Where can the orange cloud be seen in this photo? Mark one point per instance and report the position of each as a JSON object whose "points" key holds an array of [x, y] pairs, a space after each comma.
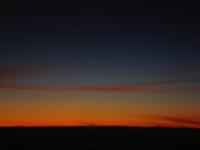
{"points": [[180, 121], [115, 89]]}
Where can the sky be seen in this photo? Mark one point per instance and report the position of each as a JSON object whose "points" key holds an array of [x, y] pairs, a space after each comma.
{"points": [[117, 63]]}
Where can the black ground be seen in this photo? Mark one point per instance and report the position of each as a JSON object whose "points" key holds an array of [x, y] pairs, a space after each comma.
{"points": [[97, 138]]}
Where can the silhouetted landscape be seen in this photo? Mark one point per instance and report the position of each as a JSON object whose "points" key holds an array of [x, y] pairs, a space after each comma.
{"points": [[118, 138]]}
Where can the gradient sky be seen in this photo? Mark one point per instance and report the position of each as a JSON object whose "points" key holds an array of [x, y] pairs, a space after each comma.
{"points": [[134, 64]]}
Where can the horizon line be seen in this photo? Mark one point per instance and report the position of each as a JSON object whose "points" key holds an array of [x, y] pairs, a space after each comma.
{"points": [[98, 126]]}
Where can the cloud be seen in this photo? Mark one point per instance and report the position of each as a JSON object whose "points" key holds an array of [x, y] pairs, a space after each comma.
{"points": [[118, 89], [18, 72], [171, 81], [179, 90], [10, 72], [24, 71], [108, 89], [182, 121]]}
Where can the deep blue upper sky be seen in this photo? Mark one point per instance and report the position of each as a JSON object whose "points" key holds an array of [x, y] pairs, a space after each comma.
{"points": [[135, 41]]}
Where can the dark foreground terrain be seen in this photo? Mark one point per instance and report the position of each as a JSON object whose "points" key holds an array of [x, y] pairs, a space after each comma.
{"points": [[99, 138]]}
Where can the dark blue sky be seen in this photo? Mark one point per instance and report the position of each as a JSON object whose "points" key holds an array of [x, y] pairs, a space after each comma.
{"points": [[116, 53]]}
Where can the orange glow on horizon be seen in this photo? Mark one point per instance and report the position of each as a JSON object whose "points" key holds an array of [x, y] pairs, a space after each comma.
{"points": [[95, 109], [166, 125], [98, 122]]}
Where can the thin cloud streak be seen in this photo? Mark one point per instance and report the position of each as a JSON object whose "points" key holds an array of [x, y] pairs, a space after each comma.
{"points": [[108, 89], [25, 71], [170, 81], [146, 87], [181, 121], [16, 72]]}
